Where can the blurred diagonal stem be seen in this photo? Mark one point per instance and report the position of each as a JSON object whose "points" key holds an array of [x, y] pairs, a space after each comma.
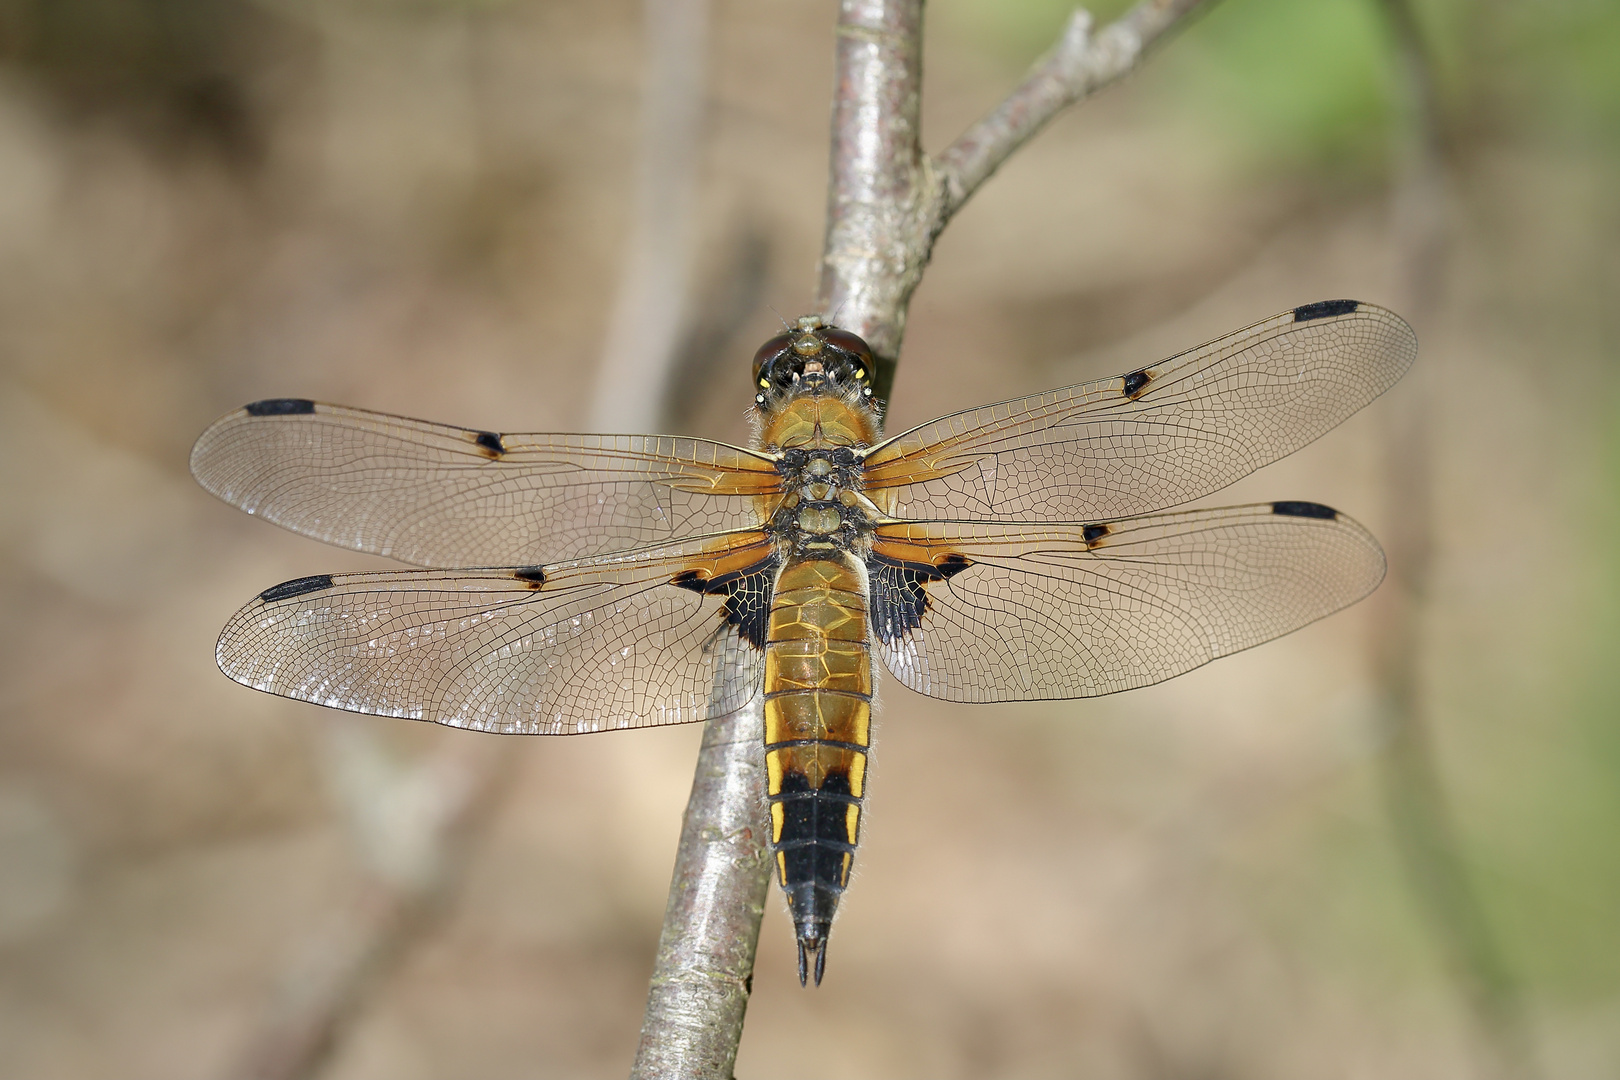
{"points": [[1420, 816], [409, 825], [888, 202], [649, 313]]}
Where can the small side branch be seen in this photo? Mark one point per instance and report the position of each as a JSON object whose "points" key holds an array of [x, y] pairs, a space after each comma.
{"points": [[1077, 66]]}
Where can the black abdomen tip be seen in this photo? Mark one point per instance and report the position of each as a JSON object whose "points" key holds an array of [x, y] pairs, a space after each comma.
{"points": [[281, 406], [1323, 309], [1304, 510], [296, 587]]}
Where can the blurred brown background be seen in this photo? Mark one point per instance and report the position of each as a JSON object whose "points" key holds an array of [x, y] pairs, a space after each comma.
{"points": [[422, 206]]}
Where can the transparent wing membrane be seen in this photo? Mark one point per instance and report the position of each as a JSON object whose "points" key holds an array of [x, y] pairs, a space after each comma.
{"points": [[1154, 438], [434, 495], [1028, 612], [615, 642]]}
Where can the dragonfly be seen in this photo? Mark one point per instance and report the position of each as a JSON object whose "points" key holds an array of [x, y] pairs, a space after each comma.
{"points": [[1020, 551]]}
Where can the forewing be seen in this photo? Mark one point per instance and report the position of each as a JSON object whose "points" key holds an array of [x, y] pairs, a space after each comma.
{"points": [[1154, 438], [971, 611], [434, 495], [663, 636]]}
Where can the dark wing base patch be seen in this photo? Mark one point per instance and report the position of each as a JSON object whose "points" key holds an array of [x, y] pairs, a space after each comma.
{"points": [[899, 594], [747, 593]]}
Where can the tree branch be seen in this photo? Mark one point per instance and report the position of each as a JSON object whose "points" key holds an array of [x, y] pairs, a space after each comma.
{"points": [[1078, 65], [887, 200], [887, 203], [705, 967]]}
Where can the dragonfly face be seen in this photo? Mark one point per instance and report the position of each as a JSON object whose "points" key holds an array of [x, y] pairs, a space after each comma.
{"points": [[810, 354], [1014, 552]]}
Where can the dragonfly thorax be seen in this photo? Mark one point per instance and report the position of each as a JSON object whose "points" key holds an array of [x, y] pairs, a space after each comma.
{"points": [[821, 507]]}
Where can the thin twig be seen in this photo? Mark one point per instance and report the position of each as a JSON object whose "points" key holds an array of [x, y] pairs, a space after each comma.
{"points": [[1078, 65]]}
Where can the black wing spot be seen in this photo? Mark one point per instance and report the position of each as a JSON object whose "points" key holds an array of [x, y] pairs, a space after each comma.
{"points": [[1094, 534], [692, 580], [1324, 309], [1136, 383], [281, 406], [1304, 510], [899, 594], [747, 592], [534, 575], [491, 444], [296, 587]]}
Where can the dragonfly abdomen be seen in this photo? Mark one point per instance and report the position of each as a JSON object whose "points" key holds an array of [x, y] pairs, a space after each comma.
{"points": [[818, 710]]}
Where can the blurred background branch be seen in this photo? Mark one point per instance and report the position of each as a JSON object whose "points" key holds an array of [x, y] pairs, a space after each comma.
{"points": [[1432, 850], [410, 823], [650, 313]]}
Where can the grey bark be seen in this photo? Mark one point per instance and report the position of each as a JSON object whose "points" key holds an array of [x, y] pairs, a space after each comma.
{"points": [[704, 971]]}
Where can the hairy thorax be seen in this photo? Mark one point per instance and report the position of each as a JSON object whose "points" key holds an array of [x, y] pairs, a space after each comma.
{"points": [[821, 508]]}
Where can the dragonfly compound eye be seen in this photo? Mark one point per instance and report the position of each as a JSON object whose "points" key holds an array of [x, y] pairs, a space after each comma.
{"points": [[855, 349], [764, 359]]}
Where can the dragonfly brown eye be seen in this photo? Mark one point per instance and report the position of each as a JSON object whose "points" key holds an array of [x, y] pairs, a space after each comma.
{"points": [[855, 346], [770, 351]]}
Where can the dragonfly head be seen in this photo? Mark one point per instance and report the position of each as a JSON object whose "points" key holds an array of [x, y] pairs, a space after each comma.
{"points": [[812, 358]]}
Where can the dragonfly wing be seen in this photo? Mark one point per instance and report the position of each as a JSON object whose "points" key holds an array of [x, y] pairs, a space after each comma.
{"points": [[434, 495], [1157, 437], [973, 611], [662, 636]]}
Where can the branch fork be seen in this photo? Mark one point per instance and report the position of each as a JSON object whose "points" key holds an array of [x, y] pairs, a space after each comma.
{"points": [[888, 201]]}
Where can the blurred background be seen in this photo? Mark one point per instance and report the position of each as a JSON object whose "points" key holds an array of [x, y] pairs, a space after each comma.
{"points": [[1387, 846]]}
